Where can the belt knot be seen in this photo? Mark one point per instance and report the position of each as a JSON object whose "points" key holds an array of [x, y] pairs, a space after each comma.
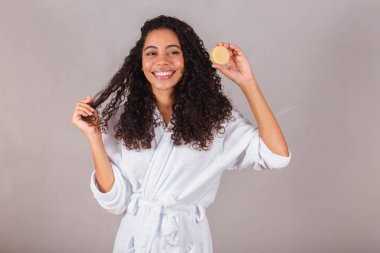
{"points": [[163, 217]]}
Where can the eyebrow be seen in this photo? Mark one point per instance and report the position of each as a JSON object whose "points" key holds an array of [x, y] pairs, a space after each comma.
{"points": [[165, 47]]}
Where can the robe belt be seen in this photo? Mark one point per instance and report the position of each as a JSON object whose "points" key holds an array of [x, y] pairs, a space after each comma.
{"points": [[163, 217]]}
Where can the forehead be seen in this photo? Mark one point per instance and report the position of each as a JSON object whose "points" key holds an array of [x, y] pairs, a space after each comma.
{"points": [[161, 37]]}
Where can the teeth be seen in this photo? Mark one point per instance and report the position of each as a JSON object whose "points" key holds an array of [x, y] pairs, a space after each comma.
{"points": [[163, 73]]}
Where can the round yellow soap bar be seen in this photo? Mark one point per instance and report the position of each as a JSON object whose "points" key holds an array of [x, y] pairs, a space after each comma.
{"points": [[220, 55]]}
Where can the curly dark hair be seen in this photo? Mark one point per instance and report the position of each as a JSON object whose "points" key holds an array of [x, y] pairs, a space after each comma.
{"points": [[199, 106]]}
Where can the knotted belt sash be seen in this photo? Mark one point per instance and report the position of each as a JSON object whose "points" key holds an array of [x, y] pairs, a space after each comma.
{"points": [[163, 218]]}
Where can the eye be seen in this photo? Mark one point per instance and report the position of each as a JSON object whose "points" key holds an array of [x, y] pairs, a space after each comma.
{"points": [[153, 53]]}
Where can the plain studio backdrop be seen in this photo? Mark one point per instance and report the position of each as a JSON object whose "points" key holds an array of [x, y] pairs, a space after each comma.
{"points": [[316, 62]]}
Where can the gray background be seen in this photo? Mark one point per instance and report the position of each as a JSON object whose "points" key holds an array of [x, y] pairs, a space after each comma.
{"points": [[315, 61]]}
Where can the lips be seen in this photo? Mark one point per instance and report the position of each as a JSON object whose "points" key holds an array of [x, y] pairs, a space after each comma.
{"points": [[163, 74]]}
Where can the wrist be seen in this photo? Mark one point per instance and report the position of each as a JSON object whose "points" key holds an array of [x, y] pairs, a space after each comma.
{"points": [[248, 85], [94, 138]]}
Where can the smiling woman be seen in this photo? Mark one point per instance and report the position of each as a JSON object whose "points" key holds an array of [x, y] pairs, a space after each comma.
{"points": [[168, 101], [170, 69], [163, 64]]}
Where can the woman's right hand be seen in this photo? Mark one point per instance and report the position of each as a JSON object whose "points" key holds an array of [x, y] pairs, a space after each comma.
{"points": [[83, 108]]}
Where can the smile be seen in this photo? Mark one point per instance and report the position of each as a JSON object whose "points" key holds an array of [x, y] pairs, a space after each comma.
{"points": [[163, 75]]}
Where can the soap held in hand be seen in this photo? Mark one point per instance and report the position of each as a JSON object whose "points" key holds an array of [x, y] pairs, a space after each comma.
{"points": [[219, 55]]}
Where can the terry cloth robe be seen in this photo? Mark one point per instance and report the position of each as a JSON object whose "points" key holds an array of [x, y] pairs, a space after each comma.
{"points": [[163, 192]]}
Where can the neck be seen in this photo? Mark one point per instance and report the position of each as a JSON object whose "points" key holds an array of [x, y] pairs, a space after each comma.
{"points": [[164, 101]]}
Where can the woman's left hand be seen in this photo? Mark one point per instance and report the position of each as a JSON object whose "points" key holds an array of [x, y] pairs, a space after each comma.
{"points": [[237, 68]]}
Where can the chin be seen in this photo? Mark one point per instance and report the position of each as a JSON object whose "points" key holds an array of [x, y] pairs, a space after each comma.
{"points": [[163, 86]]}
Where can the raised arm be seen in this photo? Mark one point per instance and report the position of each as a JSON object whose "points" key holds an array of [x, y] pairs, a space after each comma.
{"points": [[269, 129], [110, 187], [239, 70]]}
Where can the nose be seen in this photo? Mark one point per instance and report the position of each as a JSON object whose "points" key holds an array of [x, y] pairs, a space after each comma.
{"points": [[162, 59]]}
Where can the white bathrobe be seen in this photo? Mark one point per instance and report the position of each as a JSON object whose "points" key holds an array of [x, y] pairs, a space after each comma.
{"points": [[162, 193]]}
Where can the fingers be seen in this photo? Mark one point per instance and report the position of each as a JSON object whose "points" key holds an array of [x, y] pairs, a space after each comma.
{"points": [[222, 44], [226, 45], [220, 67], [88, 110], [87, 100], [235, 50], [80, 112], [83, 108], [85, 103]]}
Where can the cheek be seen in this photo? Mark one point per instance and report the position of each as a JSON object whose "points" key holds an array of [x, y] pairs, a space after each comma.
{"points": [[145, 65], [180, 65]]}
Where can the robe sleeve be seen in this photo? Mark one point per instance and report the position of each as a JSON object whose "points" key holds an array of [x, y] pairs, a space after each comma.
{"points": [[244, 148], [116, 200]]}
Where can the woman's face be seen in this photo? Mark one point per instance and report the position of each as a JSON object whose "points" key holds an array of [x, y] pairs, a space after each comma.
{"points": [[162, 59]]}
